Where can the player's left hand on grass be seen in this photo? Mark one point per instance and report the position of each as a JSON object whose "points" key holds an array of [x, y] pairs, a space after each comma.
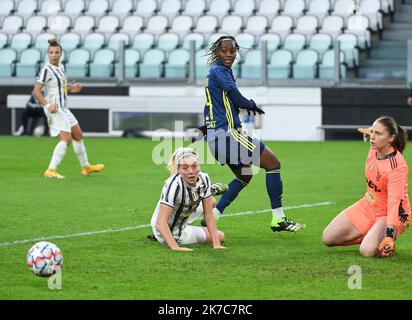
{"points": [[220, 247], [386, 247]]}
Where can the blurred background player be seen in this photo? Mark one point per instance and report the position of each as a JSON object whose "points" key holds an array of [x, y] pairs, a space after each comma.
{"points": [[228, 142], [184, 192], [409, 101], [383, 213], [29, 116], [62, 122]]}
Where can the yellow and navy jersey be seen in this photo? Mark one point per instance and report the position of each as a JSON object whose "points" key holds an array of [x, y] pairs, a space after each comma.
{"points": [[220, 112]]}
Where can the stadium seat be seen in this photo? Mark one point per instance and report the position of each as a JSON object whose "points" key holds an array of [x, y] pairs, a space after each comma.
{"points": [[181, 25], [28, 65], [121, 8], [306, 25], [115, 38], [273, 41], [131, 62], [50, 7], [280, 64], [70, 41], [256, 25], [320, 42], [194, 8], [8, 58], [206, 25], [35, 25], [294, 42], [21, 41], [202, 69], [167, 41], [268, 8], [319, 8], [332, 25], [108, 25], [146, 8], [132, 25], [244, 8], [387, 6], [157, 25], [59, 24], [197, 37], [349, 46], [344, 8], [4, 40], [251, 67], [282, 25], [152, 64], [177, 65], [170, 8], [77, 65], [143, 42], [83, 25], [293, 8], [12, 25], [102, 64], [359, 26], [7, 6], [93, 42], [41, 43], [26, 8], [305, 66], [97, 8], [327, 66], [372, 10], [74, 8], [231, 24], [246, 41], [219, 8]]}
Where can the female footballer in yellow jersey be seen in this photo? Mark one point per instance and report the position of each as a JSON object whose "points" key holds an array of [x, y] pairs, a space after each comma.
{"points": [[384, 213]]}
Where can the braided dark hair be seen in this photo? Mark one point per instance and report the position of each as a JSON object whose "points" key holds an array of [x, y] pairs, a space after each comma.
{"points": [[395, 129], [214, 47]]}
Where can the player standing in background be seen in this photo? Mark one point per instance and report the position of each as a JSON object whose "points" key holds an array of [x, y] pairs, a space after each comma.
{"points": [[62, 122], [185, 192], [227, 141], [409, 101], [383, 213]]}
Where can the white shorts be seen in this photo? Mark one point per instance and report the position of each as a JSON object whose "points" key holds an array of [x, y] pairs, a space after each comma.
{"points": [[190, 235], [60, 121]]}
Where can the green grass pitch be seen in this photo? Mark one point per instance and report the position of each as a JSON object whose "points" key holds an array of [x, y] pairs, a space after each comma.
{"points": [[257, 264]]}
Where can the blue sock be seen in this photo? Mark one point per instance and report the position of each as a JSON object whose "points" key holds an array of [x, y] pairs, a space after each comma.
{"points": [[235, 186], [274, 187]]}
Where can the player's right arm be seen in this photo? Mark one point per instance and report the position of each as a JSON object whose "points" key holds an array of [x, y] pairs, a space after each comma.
{"points": [[42, 78], [165, 212]]}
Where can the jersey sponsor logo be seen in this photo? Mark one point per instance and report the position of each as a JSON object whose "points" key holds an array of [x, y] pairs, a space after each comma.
{"points": [[372, 185]]}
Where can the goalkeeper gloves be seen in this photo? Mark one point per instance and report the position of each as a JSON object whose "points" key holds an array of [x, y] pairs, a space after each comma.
{"points": [[387, 246], [255, 109]]}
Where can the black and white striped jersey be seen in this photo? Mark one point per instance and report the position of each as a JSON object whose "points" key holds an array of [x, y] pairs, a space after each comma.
{"points": [[183, 199], [55, 84]]}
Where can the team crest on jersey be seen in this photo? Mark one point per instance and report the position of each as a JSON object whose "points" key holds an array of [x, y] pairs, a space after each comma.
{"points": [[371, 197]]}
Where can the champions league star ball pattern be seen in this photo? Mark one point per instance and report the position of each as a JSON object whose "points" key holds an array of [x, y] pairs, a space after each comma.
{"points": [[44, 259]]}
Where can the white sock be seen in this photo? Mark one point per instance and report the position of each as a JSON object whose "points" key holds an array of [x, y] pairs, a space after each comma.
{"points": [[278, 212], [80, 151], [216, 213], [58, 154]]}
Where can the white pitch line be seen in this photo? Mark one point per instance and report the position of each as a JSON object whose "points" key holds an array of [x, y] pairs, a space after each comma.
{"points": [[89, 233]]}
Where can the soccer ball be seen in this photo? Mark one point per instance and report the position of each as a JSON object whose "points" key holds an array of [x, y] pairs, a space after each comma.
{"points": [[44, 259]]}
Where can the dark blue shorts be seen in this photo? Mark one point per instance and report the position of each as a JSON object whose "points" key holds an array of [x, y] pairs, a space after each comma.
{"points": [[235, 147]]}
